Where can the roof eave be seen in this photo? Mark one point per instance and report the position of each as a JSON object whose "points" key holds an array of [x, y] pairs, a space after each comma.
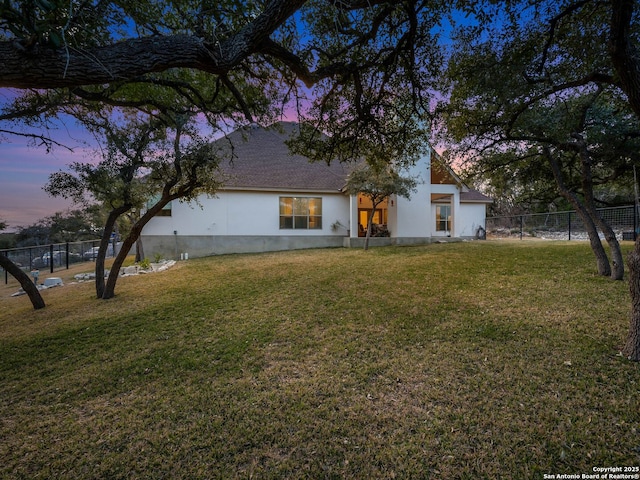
{"points": [[280, 190]]}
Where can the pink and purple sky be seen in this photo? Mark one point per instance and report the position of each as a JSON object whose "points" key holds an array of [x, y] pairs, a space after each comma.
{"points": [[24, 170]]}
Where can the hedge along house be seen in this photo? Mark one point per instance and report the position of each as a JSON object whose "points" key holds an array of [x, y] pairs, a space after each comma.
{"points": [[273, 200]]}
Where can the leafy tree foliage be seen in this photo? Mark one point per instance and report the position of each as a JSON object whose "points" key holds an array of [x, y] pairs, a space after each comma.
{"points": [[353, 65], [553, 113], [6, 240], [72, 226]]}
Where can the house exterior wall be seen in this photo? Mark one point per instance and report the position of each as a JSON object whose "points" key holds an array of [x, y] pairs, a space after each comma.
{"points": [[409, 219], [471, 216], [230, 222]]}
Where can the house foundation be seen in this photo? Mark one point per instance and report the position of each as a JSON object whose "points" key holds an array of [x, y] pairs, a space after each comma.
{"points": [[175, 247]]}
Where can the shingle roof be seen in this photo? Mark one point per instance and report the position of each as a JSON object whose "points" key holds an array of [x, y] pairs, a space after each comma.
{"points": [[474, 196], [261, 160]]}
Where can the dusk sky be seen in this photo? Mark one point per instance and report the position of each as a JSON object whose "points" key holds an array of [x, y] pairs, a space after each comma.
{"points": [[24, 170]]}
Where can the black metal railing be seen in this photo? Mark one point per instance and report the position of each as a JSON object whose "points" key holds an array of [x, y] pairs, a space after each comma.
{"points": [[564, 225], [56, 256]]}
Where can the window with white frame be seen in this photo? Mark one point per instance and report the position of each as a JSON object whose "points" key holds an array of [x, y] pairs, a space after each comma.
{"points": [[443, 218], [301, 213]]}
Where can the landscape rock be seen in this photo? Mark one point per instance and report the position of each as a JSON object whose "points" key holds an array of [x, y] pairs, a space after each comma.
{"points": [[132, 270], [83, 277], [53, 282]]}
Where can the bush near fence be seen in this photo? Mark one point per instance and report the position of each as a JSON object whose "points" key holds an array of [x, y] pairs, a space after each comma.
{"points": [[563, 225]]}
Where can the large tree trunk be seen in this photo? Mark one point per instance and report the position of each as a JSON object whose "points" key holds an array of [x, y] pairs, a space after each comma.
{"points": [[127, 244], [25, 282], [617, 270], [626, 62], [632, 347], [602, 260], [133, 57], [617, 261]]}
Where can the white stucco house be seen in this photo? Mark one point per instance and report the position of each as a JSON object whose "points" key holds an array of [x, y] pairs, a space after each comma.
{"points": [[273, 200]]}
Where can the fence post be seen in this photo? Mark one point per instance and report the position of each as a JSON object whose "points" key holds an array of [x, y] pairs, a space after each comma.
{"points": [[569, 226], [51, 258], [635, 221], [67, 254], [521, 225]]}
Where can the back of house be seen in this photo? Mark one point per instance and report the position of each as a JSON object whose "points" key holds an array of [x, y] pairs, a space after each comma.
{"points": [[274, 200]]}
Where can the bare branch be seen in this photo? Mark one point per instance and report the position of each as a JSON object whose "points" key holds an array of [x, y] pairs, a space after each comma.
{"points": [[43, 140]]}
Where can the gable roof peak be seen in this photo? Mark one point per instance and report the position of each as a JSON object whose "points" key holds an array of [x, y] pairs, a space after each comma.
{"points": [[258, 157]]}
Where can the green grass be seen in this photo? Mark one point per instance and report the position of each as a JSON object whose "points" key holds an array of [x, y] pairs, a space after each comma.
{"points": [[469, 360]]}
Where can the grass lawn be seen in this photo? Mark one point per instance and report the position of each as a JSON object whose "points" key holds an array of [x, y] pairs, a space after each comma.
{"points": [[469, 360]]}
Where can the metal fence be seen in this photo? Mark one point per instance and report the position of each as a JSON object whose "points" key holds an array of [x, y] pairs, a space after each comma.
{"points": [[563, 225], [49, 258]]}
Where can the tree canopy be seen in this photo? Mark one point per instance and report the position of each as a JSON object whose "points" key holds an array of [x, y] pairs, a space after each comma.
{"points": [[146, 163], [353, 65], [541, 98]]}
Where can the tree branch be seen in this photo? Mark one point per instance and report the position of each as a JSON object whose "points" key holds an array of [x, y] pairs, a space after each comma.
{"points": [[625, 56], [44, 67]]}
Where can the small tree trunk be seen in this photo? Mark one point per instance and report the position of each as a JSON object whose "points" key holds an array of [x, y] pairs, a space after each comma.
{"points": [[104, 245], [374, 204], [25, 282], [127, 244], [632, 347], [100, 258], [368, 234]]}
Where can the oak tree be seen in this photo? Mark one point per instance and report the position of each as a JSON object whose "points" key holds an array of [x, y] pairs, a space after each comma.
{"points": [[148, 162], [541, 59]]}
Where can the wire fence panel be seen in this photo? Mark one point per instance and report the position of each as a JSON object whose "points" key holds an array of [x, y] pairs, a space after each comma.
{"points": [[563, 225]]}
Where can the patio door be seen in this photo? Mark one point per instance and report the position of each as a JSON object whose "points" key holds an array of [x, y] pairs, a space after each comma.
{"points": [[443, 219], [379, 218]]}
